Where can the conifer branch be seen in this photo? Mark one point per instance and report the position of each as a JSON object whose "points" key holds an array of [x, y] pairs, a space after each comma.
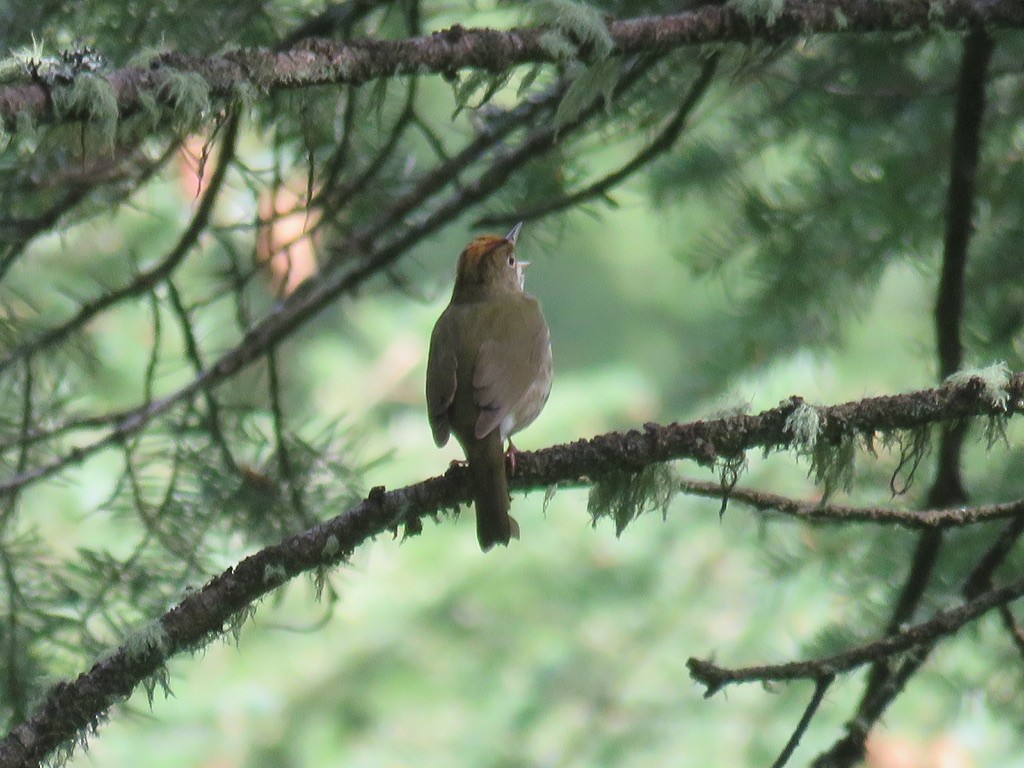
{"points": [[323, 62], [205, 613]]}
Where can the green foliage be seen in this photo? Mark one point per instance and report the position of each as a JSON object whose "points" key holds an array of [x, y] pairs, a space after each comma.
{"points": [[152, 637], [578, 29], [596, 82], [473, 82]]}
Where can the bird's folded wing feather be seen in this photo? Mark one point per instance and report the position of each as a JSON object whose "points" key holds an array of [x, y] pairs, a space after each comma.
{"points": [[441, 380], [507, 366]]}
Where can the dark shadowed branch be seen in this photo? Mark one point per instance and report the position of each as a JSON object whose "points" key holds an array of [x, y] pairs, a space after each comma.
{"points": [[821, 686]]}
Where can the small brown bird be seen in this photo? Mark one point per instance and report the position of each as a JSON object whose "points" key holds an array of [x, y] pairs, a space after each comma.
{"points": [[488, 372]]}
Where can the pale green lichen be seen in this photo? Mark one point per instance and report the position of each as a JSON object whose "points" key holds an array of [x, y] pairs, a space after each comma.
{"points": [[189, 95], [146, 56], [624, 496], [729, 472], [238, 620], [274, 573], [914, 445], [151, 637], [549, 494], [94, 98], [995, 378], [832, 462], [832, 465], [159, 679], [755, 10], [331, 547], [804, 424]]}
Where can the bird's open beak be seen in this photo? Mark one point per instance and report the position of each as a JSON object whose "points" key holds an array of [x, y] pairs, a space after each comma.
{"points": [[513, 234]]}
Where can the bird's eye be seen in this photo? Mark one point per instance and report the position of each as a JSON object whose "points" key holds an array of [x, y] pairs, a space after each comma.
{"points": [[511, 260]]}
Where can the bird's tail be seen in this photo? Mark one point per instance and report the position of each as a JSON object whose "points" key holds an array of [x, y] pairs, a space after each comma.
{"points": [[486, 460]]}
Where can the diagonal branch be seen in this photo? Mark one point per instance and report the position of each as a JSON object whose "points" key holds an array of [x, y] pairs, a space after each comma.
{"points": [[203, 614], [665, 140], [324, 62], [821, 686]]}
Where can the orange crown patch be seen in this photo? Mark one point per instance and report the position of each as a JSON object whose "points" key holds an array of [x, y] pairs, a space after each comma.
{"points": [[469, 261]]}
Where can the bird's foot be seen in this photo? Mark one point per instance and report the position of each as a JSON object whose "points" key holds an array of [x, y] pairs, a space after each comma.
{"points": [[510, 457]]}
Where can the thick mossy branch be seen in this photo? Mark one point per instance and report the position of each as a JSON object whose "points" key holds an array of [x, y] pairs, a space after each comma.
{"points": [[322, 62], [222, 605]]}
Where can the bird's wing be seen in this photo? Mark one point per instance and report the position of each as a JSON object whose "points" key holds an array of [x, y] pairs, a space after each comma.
{"points": [[441, 378], [507, 366]]}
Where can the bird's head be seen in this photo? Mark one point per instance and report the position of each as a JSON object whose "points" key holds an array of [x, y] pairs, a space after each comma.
{"points": [[489, 266]]}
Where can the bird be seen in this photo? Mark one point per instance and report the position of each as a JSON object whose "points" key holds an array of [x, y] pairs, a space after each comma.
{"points": [[488, 373]]}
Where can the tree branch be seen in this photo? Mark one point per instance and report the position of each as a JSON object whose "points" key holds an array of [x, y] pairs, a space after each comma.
{"points": [[918, 636], [204, 614], [837, 514], [322, 62]]}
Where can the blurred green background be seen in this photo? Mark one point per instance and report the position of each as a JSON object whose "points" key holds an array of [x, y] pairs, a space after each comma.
{"points": [[789, 244]]}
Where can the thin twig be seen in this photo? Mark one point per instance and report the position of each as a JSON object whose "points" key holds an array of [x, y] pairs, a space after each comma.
{"points": [[838, 514], [821, 686], [194, 356]]}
